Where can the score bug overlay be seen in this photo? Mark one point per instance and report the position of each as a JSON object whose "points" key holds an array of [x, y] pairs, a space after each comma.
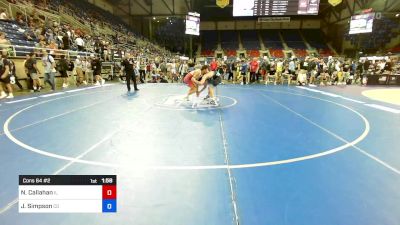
{"points": [[67, 194]]}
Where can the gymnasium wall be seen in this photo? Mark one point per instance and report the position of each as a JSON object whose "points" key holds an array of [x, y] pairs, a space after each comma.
{"points": [[255, 25]]}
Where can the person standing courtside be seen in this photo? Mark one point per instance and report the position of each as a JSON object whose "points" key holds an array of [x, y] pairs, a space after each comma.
{"points": [[49, 65], [5, 76], [62, 67], [33, 71], [128, 67], [254, 67], [79, 71], [96, 67], [213, 65]]}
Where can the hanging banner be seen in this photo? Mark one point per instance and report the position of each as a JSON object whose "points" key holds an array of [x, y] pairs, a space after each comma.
{"points": [[334, 2], [222, 3]]}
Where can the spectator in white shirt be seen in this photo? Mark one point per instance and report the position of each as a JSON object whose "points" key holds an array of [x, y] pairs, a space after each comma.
{"points": [[3, 15], [80, 43]]}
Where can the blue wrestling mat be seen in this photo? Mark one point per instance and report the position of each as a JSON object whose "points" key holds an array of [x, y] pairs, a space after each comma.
{"points": [[263, 155]]}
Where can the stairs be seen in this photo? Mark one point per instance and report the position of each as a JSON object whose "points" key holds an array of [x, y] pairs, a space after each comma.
{"points": [[261, 41], [305, 41], [285, 46], [240, 41]]}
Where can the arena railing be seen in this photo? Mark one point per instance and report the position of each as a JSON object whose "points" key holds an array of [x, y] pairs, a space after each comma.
{"points": [[20, 51], [25, 9]]}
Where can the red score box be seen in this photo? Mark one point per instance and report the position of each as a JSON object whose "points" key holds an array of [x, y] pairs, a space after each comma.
{"points": [[109, 192]]}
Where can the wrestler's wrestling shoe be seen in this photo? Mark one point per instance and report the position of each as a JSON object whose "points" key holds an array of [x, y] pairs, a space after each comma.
{"points": [[213, 102]]}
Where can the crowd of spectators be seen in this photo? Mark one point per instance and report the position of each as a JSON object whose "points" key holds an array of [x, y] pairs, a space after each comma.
{"points": [[310, 70], [151, 63], [53, 34]]}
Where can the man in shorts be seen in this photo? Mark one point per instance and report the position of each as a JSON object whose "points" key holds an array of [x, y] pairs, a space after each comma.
{"points": [[33, 71]]}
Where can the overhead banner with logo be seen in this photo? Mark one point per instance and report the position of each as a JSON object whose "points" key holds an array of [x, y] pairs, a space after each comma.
{"points": [[222, 3]]}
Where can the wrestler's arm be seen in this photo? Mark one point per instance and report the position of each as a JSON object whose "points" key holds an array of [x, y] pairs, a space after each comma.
{"points": [[204, 81], [202, 89], [206, 77], [195, 76]]}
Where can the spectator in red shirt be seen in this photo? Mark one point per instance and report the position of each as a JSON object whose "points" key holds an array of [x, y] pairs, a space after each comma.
{"points": [[254, 66], [213, 65]]}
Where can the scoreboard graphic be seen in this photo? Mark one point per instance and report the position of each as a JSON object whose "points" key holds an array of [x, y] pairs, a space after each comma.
{"points": [[275, 7], [67, 194]]}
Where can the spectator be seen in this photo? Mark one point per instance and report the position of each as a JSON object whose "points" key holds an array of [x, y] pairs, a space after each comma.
{"points": [[4, 43], [13, 74], [5, 82], [49, 65], [213, 65], [42, 42], [29, 80], [79, 72], [279, 71], [254, 66], [33, 71], [29, 33], [292, 69], [52, 45], [84, 70], [128, 67], [65, 41], [62, 67], [3, 14], [89, 71], [19, 18], [243, 71], [80, 43], [96, 67]]}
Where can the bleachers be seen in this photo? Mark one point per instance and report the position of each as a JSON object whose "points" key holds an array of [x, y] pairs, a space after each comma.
{"points": [[16, 37], [276, 53], [293, 39], [253, 53], [271, 39], [395, 49], [314, 38], [300, 53], [325, 52], [230, 53], [250, 40], [209, 40], [229, 40], [207, 53], [86, 10]]}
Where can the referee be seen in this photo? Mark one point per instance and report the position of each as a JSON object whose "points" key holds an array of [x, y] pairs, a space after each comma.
{"points": [[127, 64]]}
